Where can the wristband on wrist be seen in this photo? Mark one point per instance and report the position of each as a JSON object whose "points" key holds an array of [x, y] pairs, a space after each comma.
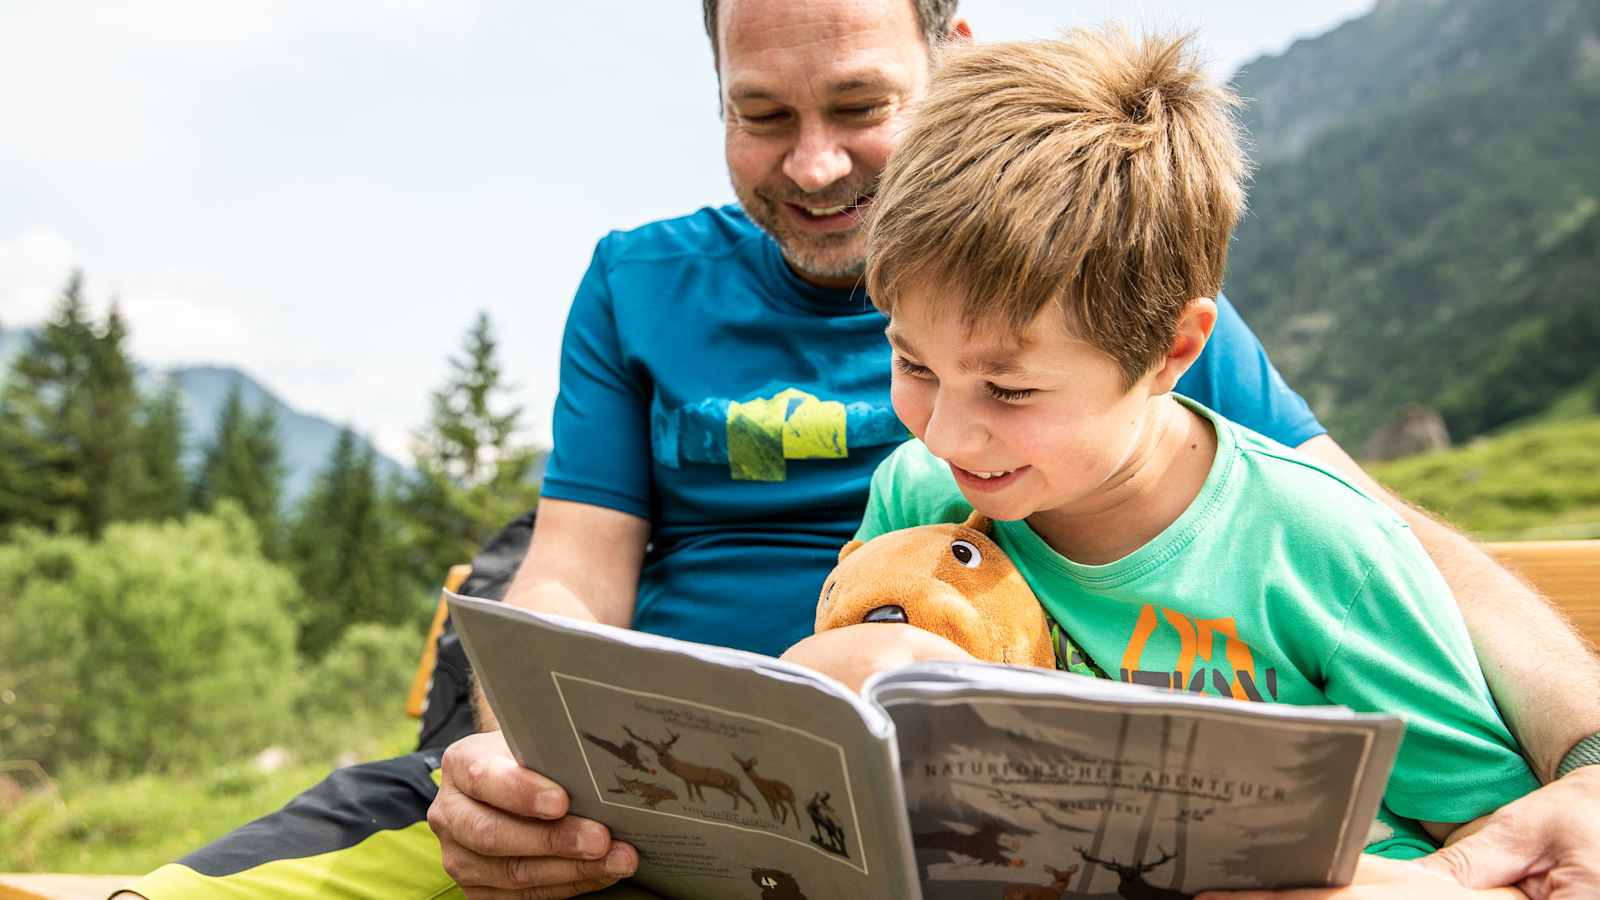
{"points": [[1585, 753]]}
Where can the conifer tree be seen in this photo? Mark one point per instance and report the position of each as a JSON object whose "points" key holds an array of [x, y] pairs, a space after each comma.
{"points": [[472, 474], [244, 462], [104, 421], [159, 450], [66, 410], [343, 546]]}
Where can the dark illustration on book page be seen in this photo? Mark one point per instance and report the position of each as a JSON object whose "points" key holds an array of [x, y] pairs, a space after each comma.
{"points": [[1052, 800]]}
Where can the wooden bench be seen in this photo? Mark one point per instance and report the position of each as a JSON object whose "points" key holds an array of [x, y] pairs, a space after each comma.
{"points": [[1568, 572]]}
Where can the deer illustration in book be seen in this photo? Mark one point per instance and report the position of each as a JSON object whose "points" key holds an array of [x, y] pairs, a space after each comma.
{"points": [[696, 778], [1055, 890], [779, 796], [1132, 885]]}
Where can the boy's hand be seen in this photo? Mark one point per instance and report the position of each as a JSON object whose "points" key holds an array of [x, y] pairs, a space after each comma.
{"points": [[504, 828], [1377, 877], [856, 652]]}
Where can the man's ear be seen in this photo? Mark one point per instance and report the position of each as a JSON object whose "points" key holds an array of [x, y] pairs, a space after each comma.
{"points": [[960, 31], [980, 523], [848, 549], [1188, 339]]}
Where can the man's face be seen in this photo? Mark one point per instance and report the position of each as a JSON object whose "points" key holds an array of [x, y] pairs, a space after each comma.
{"points": [[814, 97], [1040, 422]]}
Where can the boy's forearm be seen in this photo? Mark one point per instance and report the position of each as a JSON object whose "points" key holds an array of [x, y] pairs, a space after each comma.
{"points": [[1541, 671]]}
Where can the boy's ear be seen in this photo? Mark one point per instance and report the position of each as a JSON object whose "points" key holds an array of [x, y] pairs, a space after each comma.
{"points": [[1195, 325], [848, 549], [980, 523]]}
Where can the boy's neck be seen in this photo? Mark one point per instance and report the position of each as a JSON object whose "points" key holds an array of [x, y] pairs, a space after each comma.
{"points": [[1164, 473]]}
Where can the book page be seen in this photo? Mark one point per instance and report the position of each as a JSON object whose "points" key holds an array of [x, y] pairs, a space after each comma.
{"points": [[736, 776]]}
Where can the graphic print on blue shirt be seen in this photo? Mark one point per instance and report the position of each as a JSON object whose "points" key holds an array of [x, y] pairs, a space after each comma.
{"points": [[756, 437]]}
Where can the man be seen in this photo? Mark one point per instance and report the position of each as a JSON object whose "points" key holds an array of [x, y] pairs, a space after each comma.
{"points": [[724, 401]]}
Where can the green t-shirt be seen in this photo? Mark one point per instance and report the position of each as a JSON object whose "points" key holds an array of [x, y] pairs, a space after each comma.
{"points": [[1282, 582]]}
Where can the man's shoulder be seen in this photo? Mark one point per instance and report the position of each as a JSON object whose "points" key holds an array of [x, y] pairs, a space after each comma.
{"points": [[705, 233]]}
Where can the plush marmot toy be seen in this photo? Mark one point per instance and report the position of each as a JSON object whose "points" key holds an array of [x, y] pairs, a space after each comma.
{"points": [[952, 580]]}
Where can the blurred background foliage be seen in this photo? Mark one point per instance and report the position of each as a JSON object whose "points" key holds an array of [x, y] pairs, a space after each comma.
{"points": [[182, 647]]}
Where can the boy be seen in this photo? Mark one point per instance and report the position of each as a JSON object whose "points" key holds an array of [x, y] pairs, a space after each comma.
{"points": [[1046, 243]]}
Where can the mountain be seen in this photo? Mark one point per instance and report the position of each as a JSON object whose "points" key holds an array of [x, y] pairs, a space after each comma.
{"points": [[307, 440], [1424, 224]]}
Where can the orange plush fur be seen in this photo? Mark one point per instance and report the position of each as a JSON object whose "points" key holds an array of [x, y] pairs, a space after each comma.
{"points": [[952, 580]]}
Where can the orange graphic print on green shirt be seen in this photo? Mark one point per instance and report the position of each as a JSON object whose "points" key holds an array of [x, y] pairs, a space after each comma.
{"points": [[1199, 665]]}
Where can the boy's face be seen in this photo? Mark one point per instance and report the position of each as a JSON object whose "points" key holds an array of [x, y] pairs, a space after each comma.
{"points": [[1026, 422]]}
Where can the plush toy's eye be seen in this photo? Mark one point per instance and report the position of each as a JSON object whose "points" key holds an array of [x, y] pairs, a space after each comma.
{"points": [[967, 554]]}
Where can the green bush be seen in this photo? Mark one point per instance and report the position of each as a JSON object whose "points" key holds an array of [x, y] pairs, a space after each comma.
{"points": [[364, 676], [162, 645]]}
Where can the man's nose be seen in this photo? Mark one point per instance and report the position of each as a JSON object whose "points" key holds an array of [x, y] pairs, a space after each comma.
{"points": [[817, 160]]}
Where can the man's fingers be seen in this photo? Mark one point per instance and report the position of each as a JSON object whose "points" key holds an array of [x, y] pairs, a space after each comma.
{"points": [[1483, 860], [481, 767], [484, 831], [514, 873], [551, 892]]}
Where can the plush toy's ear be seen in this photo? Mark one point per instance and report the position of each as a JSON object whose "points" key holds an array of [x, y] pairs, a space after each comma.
{"points": [[980, 523], [848, 549]]}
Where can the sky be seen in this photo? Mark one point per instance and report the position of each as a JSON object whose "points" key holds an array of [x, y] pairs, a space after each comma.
{"points": [[325, 193]]}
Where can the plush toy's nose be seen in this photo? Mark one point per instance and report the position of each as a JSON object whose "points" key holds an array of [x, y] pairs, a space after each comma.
{"points": [[888, 614]]}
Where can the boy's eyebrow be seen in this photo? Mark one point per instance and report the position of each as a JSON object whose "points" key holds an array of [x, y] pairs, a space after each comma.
{"points": [[997, 366]]}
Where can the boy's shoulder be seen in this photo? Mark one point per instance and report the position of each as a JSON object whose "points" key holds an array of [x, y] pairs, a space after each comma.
{"points": [[1282, 489]]}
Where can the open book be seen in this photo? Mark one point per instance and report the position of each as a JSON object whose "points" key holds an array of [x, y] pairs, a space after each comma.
{"points": [[741, 776]]}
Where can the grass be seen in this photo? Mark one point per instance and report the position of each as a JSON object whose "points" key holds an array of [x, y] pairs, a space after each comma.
{"points": [[1539, 481], [134, 825]]}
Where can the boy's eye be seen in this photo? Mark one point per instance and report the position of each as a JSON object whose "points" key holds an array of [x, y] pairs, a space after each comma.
{"points": [[1009, 395], [907, 367]]}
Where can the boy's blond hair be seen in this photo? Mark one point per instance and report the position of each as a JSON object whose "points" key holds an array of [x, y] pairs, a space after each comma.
{"points": [[1102, 172]]}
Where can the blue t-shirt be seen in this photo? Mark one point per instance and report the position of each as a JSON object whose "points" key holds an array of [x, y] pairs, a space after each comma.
{"points": [[707, 388]]}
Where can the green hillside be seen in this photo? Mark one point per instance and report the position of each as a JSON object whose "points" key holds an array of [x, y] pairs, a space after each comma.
{"points": [[1534, 482], [1425, 219]]}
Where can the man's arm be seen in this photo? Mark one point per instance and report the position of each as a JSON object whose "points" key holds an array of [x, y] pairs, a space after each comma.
{"points": [[1542, 673], [505, 828], [583, 562]]}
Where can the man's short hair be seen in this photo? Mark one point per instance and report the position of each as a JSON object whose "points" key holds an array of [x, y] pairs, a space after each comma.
{"points": [[1101, 172], [933, 21]]}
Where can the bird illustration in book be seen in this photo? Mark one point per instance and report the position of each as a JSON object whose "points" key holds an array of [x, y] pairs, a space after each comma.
{"points": [[989, 845], [627, 751]]}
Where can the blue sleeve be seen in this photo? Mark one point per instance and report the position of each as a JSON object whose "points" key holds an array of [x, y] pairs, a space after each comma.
{"points": [[1234, 377], [602, 417]]}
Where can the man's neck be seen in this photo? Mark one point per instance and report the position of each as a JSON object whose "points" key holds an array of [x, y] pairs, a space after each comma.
{"points": [[1165, 472]]}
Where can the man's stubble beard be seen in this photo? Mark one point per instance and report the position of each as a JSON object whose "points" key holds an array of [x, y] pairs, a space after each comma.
{"points": [[829, 256]]}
